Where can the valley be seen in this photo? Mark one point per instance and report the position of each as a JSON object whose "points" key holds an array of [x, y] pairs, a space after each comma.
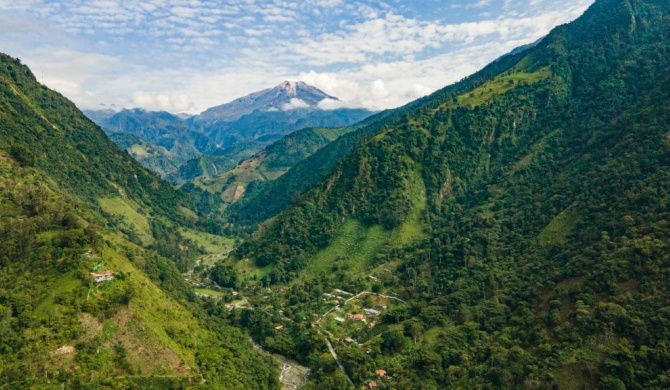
{"points": [[508, 231]]}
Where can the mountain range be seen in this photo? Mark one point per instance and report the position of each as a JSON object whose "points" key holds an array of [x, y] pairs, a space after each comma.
{"points": [[509, 231], [223, 135]]}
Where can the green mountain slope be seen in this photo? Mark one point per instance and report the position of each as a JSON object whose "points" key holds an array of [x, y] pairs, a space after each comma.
{"points": [[42, 129], [265, 166], [523, 218], [155, 158], [272, 199], [71, 204]]}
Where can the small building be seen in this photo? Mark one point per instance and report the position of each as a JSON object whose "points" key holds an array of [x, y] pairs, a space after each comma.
{"points": [[372, 385], [339, 319], [372, 312], [279, 327], [381, 373], [357, 317], [102, 277], [349, 341]]}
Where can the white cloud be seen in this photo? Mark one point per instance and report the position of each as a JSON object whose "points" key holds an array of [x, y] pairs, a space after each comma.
{"points": [[188, 55], [331, 104], [295, 103], [162, 102]]}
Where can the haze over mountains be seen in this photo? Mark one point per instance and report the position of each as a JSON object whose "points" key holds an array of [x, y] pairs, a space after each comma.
{"points": [[226, 133], [509, 231]]}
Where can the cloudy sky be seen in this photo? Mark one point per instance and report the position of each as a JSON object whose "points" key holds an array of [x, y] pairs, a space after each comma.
{"points": [[188, 55]]}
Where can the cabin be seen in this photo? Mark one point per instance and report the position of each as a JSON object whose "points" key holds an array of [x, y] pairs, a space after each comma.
{"points": [[372, 385], [279, 327], [102, 277], [349, 341], [381, 373], [339, 319], [372, 312]]}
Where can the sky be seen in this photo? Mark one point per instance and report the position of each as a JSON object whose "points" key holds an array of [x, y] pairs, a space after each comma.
{"points": [[189, 55]]}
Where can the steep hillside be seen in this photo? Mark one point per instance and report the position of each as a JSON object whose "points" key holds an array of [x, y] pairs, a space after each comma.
{"points": [[42, 129], [266, 165], [91, 294], [278, 195], [521, 218], [153, 157], [165, 141]]}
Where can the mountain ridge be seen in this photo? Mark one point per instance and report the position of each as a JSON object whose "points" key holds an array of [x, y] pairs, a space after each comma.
{"points": [[522, 218]]}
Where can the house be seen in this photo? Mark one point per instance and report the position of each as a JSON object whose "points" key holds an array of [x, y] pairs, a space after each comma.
{"points": [[102, 277], [357, 317], [279, 327], [372, 385], [349, 341], [372, 312], [381, 373], [339, 319]]}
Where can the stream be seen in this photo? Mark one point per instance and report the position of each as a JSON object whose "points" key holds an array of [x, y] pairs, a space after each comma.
{"points": [[293, 376]]}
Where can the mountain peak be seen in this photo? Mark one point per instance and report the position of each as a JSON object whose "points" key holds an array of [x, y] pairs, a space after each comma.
{"points": [[280, 97], [291, 86]]}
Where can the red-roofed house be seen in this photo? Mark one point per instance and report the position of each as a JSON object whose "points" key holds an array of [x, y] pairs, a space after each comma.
{"points": [[372, 385], [358, 317], [381, 373]]}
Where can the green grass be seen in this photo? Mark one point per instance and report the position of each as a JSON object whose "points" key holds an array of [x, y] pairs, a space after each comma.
{"points": [[500, 85], [412, 228], [521, 74], [210, 292], [560, 227], [64, 284], [212, 244], [120, 207], [355, 245]]}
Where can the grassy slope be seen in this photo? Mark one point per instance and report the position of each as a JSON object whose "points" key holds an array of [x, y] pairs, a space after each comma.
{"points": [[59, 175]]}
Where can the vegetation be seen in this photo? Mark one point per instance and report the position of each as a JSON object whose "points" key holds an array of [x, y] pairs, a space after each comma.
{"points": [[71, 205], [542, 254]]}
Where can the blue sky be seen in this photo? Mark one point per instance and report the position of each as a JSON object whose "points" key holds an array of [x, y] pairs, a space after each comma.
{"points": [[188, 55]]}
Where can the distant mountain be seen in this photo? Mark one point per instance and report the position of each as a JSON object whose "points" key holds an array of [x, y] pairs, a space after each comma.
{"points": [[226, 134], [284, 97], [257, 171], [163, 141], [98, 116], [264, 117]]}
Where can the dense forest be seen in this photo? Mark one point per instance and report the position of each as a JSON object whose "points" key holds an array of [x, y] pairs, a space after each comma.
{"points": [[522, 214]]}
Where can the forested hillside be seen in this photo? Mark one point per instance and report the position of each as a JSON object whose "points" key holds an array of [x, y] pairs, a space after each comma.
{"points": [[91, 294], [521, 215]]}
